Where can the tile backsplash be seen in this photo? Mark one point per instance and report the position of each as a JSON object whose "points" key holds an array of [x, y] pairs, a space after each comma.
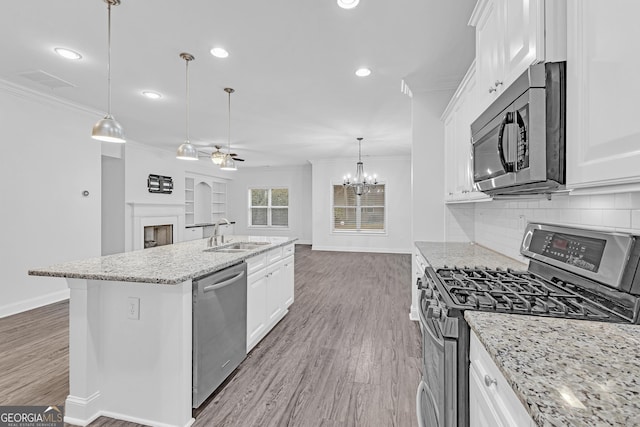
{"points": [[499, 224]]}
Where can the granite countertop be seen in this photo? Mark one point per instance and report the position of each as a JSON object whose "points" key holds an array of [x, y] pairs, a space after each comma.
{"points": [[566, 372], [439, 254], [169, 264], [206, 224]]}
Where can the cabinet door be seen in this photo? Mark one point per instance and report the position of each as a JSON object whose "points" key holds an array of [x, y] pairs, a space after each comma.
{"points": [[256, 307], [288, 280], [523, 23], [193, 233], [275, 305], [450, 155], [489, 52], [481, 410], [603, 130]]}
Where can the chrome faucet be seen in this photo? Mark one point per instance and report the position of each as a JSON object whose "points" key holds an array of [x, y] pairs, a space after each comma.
{"points": [[213, 240]]}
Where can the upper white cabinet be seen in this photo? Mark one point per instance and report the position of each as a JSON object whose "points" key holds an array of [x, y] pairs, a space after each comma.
{"points": [[603, 130], [457, 118], [511, 35]]}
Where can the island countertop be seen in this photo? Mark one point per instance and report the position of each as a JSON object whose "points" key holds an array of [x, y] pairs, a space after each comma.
{"points": [[566, 372], [439, 254], [169, 264]]}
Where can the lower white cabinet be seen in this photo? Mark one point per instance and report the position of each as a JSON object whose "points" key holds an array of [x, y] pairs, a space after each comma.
{"points": [[288, 279], [270, 287], [492, 401]]}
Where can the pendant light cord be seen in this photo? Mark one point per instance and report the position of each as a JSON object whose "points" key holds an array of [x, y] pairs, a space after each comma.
{"points": [[109, 59], [187, 109], [229, 128]]}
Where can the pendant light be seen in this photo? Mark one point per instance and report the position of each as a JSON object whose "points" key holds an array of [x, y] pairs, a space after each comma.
{"points": [[187, 151], [228, 164], [361, 183], [108, 129]]}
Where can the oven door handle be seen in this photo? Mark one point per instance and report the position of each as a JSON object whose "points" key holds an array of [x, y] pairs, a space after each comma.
{"points": [[421, 389], [508, 119], [425, 325]]}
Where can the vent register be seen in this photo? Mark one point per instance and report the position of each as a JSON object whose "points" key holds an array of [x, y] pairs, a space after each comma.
{"points": [[45, 79]]}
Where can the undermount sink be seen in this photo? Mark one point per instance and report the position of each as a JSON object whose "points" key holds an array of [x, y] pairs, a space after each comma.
{"points": [[237, 247]]}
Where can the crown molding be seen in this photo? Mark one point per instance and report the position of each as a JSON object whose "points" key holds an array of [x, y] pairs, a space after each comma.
{"points": [[45, 99]]}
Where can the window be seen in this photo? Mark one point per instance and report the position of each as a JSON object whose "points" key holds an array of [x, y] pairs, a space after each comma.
{"points": [[364, 213], [269, 207]]}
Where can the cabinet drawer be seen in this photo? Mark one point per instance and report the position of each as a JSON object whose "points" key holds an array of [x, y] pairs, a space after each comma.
{"points": [[256, 263], [274, 255], [509, 409], [288, 250], [193, 233]]}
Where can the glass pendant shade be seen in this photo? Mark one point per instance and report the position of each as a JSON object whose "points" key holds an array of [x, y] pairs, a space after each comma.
{"points": [[108, 130], [228, 164], [187, 151]]}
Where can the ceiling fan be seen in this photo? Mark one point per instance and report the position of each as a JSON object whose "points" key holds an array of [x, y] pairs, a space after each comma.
{"points": [[217, 156]]}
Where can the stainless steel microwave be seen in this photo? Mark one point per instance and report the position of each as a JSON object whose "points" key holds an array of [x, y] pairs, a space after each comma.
{"points": [[519, 141]]}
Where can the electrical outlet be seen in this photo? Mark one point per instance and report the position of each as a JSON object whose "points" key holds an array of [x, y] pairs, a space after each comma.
{"points": [[133, 308]]}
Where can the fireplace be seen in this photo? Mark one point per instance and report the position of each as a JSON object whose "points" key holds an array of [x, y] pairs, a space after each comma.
{"points": [[158, 235], [147, 216]]}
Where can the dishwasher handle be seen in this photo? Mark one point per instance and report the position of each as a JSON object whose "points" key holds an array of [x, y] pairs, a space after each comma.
{"points": [[223, 283]]}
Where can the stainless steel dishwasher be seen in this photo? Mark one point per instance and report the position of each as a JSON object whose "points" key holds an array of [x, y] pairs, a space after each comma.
{"points": [[219, 328]]}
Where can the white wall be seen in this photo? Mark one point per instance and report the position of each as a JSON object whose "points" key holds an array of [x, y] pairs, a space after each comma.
{"points": [[395, 173], [296, 178], [112, 204], [499, 225], [48, 160]]}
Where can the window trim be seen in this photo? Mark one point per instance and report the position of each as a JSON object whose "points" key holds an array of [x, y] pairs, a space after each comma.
{"points": [[268, 207], [359, 232]]}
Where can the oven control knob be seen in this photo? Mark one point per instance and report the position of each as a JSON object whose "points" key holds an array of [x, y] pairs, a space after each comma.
{"points": [[434, 312], [428, 292]]}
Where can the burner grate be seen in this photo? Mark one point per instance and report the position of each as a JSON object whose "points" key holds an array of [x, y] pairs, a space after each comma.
{"points": [[518, 292]]}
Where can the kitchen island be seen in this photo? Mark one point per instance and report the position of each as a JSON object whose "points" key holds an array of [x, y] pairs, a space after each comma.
{"points": [[130, 329], [566, 372]]}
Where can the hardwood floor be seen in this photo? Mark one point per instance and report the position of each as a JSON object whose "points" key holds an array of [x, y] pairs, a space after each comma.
{"points": [[345, 355]]}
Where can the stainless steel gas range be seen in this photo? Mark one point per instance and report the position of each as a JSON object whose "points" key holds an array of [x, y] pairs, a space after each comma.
{"points": [[573, 273]]}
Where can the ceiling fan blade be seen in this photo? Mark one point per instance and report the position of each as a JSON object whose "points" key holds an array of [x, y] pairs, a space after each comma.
{"points": [[237, 159]]}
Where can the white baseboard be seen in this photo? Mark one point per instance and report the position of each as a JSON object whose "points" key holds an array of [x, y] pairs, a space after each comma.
{"points": [[29, 304], [364, 249], [303, 242], [142, 421]]}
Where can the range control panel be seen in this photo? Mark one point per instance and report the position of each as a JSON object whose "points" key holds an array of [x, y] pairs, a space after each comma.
{"points": [[578, 251]]}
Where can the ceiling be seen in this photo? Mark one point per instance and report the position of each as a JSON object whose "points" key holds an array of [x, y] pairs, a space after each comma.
{"points": [[291, 62]]}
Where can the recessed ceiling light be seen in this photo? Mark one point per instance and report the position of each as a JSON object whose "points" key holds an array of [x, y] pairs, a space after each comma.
{"points": [[67, 53], [151, 94], [363, 72], [219, 52], [348, 4]]}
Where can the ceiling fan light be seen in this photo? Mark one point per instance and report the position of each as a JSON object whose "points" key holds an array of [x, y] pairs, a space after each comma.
{"points": [[217, 157], [228, 164], [108, 129], [187, 151]]}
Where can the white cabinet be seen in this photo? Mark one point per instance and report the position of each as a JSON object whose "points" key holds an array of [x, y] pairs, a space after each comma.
{"points": [[193, 233], [275, 294], [270, 287], [288, 280], [511, 35], [256, 308], [457, 118], [603, 131], [492, 401]]}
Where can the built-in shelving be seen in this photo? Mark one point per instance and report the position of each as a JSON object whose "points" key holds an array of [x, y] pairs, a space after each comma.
{"points": [[205, 199]]}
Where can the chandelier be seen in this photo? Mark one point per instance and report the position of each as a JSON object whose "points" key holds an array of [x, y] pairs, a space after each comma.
{"points": [[361, 183]]}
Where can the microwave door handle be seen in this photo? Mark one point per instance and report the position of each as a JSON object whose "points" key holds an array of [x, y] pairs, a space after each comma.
{"points": [[508, 119], [523, 137]]}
